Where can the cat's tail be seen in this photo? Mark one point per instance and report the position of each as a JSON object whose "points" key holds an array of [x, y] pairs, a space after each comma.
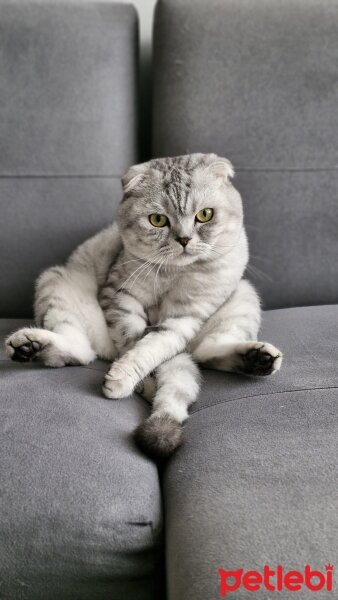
{"points": [[173, 389], [159, 436]]}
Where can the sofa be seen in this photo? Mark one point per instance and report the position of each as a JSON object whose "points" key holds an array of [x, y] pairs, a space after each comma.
{"points": [[84, 514]]}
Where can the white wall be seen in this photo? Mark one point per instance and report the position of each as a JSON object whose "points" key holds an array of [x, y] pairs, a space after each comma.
{"points": [[145, 9]]}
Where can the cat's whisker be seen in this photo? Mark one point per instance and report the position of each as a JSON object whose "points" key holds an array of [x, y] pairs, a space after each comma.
{"points": [[152, 263], [259, 273], [206, 248], [147, 268], [144, 258], [224, 245], [164, 262], [170, 255], [145, 272], [132, 260], [140, 268], [149, 261], [215, 251], [218, 245], [156, 276], [227, 246], [140, 258]]}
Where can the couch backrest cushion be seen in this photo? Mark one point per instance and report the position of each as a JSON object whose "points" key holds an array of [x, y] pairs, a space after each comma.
{"points": [[257, 81], [67, 132]]}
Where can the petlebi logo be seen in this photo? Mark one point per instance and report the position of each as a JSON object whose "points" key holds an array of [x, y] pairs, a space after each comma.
{"points": [[276, 580]]}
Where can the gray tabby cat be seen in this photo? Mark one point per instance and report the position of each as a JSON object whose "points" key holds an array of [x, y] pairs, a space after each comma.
{"points": [[157, 292]]}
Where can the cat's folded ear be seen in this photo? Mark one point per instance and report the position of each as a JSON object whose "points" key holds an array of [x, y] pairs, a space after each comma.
{"points": [[221, 167], [134, 176]]}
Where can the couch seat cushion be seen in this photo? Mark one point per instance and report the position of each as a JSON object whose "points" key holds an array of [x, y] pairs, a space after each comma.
{"points": [[256, 481], [80, 506]]}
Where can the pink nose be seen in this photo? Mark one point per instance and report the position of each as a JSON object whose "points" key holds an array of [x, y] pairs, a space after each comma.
{"points": [[183, 240]]}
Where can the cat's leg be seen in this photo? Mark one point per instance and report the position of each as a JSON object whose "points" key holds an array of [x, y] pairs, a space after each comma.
{"points": [[174, 388], [68, 316], [162, 343], [71, 328], [228, 341]]}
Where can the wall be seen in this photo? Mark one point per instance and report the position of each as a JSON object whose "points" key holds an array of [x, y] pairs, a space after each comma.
{"points": [[145, 9]]}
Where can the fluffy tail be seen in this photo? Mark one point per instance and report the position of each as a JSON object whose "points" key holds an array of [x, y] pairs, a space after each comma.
{"points": [[159, 436], [176, 388]]}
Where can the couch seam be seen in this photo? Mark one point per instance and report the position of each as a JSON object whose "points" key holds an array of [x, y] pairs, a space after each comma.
{"points": [[334, 387], [285, 170], [62, 176]]}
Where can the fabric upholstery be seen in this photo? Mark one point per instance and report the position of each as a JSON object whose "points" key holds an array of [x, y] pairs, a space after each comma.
{"points": [[257, 81], [68, 88], [68, 131], [292, 228], [256, 481], [80, 506], [42, 221]]}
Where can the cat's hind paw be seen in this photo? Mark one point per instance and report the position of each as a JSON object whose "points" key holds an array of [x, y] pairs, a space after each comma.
{"points": [[259, 358], [23, 345], [52, 349]]}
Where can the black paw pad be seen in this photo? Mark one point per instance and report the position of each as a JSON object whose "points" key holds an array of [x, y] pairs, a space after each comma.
{"points": [[26, 352], [258, 361]]}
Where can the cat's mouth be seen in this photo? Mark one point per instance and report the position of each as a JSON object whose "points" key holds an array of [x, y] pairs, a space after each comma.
{"points": [[185, 257], [186, 252]]}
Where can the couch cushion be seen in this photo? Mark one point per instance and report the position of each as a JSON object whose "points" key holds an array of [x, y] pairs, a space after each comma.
{"points": [[80, 506], [68, 132], [42, 221], [67, 88], [256, 481], [257, 81]]}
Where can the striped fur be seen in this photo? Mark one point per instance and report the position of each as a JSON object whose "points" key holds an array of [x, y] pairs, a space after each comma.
{"points": [[134, 294]]}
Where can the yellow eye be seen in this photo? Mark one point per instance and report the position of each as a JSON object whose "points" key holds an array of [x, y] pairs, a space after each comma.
{"points": [[204, 215], [158, 220]]}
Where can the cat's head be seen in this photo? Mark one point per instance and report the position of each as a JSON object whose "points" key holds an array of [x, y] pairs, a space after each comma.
{"points": [[180, 209]]}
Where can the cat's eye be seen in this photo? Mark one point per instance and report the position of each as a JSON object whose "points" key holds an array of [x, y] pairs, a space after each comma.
{"points": [[204, 215], [158, 220]]}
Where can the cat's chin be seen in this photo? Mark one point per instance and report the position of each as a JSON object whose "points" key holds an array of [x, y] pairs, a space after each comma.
{"points": [[184, 259]]}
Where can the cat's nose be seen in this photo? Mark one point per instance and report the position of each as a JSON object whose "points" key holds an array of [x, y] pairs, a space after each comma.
{"points": [[183, 240]]}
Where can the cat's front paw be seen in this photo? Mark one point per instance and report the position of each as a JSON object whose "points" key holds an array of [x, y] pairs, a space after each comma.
{"points": [[118, 383]]}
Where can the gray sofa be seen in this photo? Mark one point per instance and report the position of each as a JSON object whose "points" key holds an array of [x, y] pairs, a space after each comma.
{"points": [[84, 515]]}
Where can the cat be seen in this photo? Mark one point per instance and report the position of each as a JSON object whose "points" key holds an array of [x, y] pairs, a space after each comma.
{"points": [[158, 292]]}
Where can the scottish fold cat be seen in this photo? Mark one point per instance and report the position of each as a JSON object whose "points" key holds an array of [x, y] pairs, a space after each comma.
{"points": [[158, 293]]}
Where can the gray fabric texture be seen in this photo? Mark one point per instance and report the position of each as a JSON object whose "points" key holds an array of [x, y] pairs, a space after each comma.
{"points": [[292, 228], [67, 132], [68, 88], [80, 506], [256, 481], [254, 79], [257, 81], [42, 221]]}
